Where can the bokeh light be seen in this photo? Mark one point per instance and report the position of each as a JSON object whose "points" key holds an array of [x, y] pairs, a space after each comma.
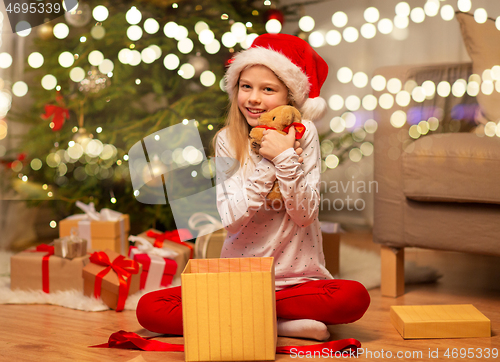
{"points": [[385, 26], [403, 9], [336, 102], [480, 15], [19, 89], [371, 14], [447, 12], [333, 37], [344, 75], [431, 7], [360, 80], [368, 31], [100, 13], [339, 19], [273, 26], [351, 34], [49, 82], [378, 83], [306, 23], [394, 85], [35, 60], [398, 119], [60, 30], [417, 15]]}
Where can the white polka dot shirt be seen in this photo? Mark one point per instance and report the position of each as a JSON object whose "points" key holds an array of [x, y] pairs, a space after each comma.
{"points": [[290, 233]]}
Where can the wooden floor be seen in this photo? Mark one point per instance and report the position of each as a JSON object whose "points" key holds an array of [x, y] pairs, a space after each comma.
{"points": [[50, 333]]}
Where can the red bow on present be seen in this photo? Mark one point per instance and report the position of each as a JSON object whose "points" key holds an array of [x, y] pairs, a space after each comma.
{"points": [[45, 264], [300, 129], [130, 340], [174, 236], [59, 112], [123, 268]]}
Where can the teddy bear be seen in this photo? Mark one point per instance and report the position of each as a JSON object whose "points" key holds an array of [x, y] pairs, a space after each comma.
{"points": [[279, 119]]}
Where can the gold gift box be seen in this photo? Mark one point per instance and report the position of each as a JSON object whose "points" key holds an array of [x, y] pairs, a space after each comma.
{"points": [[229, 309]]}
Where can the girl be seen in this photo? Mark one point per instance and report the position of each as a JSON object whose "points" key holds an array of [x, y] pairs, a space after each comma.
{"points": [[278, 69]]}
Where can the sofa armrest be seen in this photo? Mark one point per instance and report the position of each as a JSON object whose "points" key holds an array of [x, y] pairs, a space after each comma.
{"points": [[391, 142]]}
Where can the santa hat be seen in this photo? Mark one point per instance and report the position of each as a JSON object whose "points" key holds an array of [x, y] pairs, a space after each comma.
{"points": [[294, 61]]}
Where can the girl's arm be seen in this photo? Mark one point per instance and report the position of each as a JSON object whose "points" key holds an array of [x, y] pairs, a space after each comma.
{"points": [[239, 199], [299, 184]]}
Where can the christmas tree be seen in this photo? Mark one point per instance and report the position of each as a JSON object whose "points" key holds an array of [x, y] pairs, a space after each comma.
{"points": [[108, 74]]}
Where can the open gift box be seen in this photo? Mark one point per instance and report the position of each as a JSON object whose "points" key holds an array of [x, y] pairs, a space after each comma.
{"points": [[39, 270], [229, 309]]}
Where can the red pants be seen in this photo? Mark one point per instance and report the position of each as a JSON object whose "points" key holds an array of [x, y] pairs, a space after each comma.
{"points": [[333, 301]]}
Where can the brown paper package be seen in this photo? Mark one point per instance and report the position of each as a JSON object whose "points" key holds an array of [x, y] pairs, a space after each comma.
{"points": [[64, 274], [110, 283]]}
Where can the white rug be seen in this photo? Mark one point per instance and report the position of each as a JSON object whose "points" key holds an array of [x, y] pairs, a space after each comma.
{"points": [[356, 264]]}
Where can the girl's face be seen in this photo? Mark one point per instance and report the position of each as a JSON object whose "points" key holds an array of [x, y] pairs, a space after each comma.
{"points": [[259, 91]]}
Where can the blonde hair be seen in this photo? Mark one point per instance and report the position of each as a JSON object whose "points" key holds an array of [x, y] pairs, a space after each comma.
{"points": [[238, 130]]}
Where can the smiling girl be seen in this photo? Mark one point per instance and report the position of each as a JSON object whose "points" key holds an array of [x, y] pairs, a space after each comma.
{"points": [[278, 69]]}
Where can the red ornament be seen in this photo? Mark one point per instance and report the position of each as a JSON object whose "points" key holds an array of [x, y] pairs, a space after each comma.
{"points": [[59, 113], [275, 14]]}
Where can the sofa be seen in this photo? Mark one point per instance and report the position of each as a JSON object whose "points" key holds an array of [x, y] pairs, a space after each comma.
{"points": [[440, 189]]}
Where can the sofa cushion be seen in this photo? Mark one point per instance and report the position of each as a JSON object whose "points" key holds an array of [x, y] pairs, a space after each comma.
{"points": [[481, 41], [453, 167]]}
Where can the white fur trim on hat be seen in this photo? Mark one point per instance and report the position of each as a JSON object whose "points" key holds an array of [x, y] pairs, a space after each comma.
{"points": [[289, 73], [314, 108]]}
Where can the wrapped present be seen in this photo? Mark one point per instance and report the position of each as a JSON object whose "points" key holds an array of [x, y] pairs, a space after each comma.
{"points": [[70, 247], [107, 229], [211, 235], [38, 269], [112, 277], [172, 240], [158, 266], [229, 309]]}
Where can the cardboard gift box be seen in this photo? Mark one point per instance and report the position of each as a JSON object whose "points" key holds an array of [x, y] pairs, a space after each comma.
{"points": [[112, 277], [70, 247], [229, 309], [156, 271], [101, 235], [440, 321], [39, 270], [183, 249]]}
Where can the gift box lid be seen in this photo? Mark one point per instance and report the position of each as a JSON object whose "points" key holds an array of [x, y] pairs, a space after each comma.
{"points": [[439, 321], [110, 281], [145, 260]]}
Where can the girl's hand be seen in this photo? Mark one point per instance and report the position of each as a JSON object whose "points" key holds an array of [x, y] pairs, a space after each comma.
{"points": [[274, 143], [298, 150]]}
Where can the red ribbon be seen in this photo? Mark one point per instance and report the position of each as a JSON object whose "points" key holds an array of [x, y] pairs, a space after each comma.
{"points": [[123, 268], [174, 236], [300, 129], [130, 340], [45, 264]]}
